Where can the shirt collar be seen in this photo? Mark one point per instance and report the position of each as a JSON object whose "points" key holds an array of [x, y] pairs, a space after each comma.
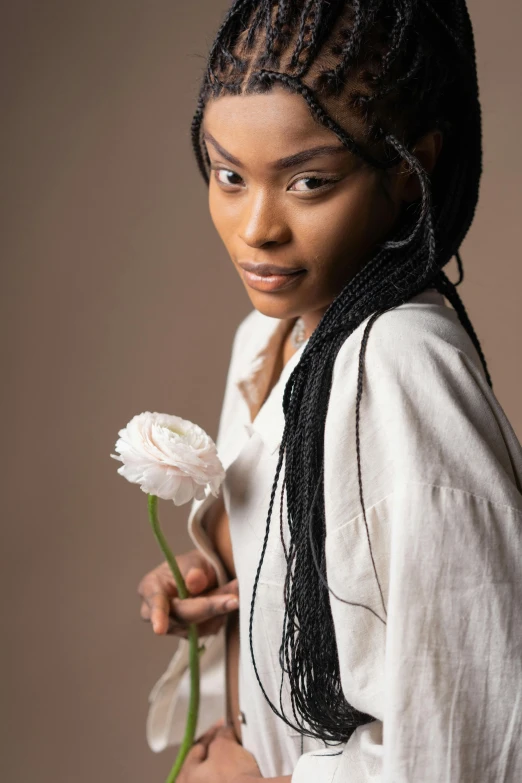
{"points": [[264, 366], [264, 398]]}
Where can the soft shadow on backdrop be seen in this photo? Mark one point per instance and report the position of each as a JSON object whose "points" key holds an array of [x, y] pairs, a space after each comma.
{"points": [[117, 297]]}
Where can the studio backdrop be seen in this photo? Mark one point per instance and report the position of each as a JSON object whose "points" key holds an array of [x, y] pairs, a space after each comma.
{"points": [[117, 297]]}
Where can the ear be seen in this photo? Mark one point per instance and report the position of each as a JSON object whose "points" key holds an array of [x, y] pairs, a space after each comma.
{"points": [[426, 150]]}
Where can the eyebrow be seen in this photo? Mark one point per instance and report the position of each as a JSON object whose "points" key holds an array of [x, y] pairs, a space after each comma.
{"points": [[282, 163]]}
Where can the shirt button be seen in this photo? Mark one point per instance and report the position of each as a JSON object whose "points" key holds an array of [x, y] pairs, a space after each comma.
{"points": [[242, 718]]}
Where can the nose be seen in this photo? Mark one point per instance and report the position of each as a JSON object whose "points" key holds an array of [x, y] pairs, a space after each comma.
{"points": [[263, 222]]}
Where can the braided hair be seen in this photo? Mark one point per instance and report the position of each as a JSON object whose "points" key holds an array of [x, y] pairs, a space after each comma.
{"points": [[378, 74]]}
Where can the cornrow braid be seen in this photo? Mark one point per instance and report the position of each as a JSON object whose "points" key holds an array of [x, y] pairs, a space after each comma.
{"points": [[348, 48], [255, 25], [400, 30], [269, 56], [304, 29], [402, 67], [348, 51], [322, 17], [223, 38]]}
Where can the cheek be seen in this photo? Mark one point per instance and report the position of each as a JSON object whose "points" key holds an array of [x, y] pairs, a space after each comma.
{"points": [[349, 223], [220, 216]]}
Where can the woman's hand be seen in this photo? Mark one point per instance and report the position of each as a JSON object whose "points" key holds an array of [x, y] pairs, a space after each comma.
{"points": [[217, 757], [170, 614]]}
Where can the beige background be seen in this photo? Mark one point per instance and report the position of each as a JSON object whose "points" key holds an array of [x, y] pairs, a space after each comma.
{"points": [[117, 297]]}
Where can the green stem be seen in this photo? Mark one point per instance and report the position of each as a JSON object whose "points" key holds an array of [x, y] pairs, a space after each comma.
{"points": [[192, 716]]}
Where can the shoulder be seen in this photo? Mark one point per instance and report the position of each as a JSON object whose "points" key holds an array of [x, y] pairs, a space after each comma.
{"points": [[417, 347], [417, 355], [420, 338], [427, 412]]}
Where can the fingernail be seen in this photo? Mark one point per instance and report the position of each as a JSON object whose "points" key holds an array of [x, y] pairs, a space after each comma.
{"points": [[232, 603]]}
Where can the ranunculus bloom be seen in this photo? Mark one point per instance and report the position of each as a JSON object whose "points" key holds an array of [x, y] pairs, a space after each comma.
{"points": [[169, 457]]}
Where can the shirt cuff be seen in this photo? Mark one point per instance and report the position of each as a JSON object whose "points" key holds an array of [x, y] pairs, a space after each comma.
{"points": [[169, 698]]}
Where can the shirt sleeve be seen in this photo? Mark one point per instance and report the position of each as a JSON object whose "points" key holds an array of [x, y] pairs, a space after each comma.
{"points": [[426, 585], [453, 707]]}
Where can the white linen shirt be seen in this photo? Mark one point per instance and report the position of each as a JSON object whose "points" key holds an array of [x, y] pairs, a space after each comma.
{"points": [[437, 662]]}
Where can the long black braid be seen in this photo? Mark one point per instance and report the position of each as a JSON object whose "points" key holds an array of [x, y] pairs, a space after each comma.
{"points": [[404, 67]]}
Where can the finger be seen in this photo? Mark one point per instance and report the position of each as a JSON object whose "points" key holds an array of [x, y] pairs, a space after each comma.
{"points": [[220, 745], [159, 612], [158, 580], [197, 581], [197, 610], [209, 735], [225, 732], [178, 625], [195, 756], [197, 571], [230, 590], [161, 579]]}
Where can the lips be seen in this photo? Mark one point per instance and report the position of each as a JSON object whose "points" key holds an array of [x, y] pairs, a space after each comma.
{"points": [[268, 270], [268, 277]]}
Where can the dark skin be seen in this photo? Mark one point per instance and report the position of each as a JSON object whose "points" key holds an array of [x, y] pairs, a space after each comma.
{"points": [[325, 213]]}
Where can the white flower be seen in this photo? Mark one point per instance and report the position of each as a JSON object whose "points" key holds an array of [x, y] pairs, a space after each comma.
{"points": [[169, 457]]}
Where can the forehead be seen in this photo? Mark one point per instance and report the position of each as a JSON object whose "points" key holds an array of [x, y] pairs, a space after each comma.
{"points": [[278, 117]]}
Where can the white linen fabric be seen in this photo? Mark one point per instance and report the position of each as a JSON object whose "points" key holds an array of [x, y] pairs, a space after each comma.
{"points": [[430, 641]]}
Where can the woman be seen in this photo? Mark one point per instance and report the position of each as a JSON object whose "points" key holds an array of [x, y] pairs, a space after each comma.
{"points": [[371, 509]]}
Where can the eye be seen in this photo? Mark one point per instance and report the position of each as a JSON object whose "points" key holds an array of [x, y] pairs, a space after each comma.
{"points": [[227, 177], [312, 183], [230, 179]]}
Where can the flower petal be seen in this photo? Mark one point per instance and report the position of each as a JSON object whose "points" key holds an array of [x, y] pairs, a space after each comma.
{"points": [[168, 456]]}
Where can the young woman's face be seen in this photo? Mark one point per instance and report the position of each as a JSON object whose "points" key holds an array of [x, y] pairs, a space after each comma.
{"points": [[285, 192]]}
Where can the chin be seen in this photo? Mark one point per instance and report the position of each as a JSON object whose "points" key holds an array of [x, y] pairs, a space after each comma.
{"points": [[276, 305]]}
